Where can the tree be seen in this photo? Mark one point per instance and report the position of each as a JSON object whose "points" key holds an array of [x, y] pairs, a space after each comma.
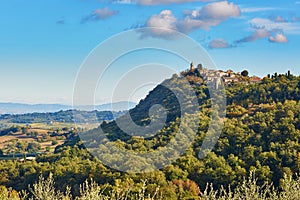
{"points": [[33, 147], [245, 73], [200, 67], [21, 146], [54, 142]]}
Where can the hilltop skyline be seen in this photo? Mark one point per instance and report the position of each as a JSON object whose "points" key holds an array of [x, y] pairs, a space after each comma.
{"points": [[43, 44]]}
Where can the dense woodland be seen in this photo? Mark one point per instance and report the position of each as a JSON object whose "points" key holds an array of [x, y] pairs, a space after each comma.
{"points": [[61, 116], [261, 135]]}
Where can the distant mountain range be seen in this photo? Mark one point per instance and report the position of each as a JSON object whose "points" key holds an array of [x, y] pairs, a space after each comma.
{"points": [[20, 108]]}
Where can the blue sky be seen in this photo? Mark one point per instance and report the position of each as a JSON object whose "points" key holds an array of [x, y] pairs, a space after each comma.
{"points": [[43, 43]]}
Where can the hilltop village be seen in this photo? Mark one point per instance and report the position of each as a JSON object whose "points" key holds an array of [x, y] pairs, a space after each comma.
{"points": [[217, 77]]}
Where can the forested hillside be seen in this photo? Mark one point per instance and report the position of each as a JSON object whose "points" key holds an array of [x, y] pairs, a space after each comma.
{"points": [[61, 116], [261, 133]]}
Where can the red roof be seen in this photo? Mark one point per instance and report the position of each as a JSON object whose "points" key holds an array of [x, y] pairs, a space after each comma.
{"points": [[255, 78]]}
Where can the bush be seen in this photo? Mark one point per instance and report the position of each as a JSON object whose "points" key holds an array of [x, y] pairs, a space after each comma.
{"points": [[249, 189], [6, 194], [44, 190]]}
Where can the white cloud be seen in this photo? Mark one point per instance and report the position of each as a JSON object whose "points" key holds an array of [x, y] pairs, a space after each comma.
{"points": [[295, 19], [256, 9], [158, 2], [218, 11], [280, 19], [208, 16], [100, 14], [165, 19], [258, 34], [204, 18], [273, 29], [189, 24], [123, 2], [287, 27], [218, 44], [263, 33], [163, 24], [279, 38]]}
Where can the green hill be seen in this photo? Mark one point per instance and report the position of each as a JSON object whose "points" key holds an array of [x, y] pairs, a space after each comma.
{"points": [[262, 129], [261, 133]]}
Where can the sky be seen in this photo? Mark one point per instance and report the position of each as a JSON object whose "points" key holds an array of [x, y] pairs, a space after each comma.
{"points": [[43, 44]]}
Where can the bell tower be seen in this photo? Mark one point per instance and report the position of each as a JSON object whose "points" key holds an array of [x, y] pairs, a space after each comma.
{"points": [[192, 67]]}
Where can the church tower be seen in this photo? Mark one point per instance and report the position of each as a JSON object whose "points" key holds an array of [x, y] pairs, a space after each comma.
{"points": [[192, 67]]}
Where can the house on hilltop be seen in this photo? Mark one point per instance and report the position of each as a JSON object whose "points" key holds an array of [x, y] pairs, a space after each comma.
{"points": [[255, 79], [218, 77]]}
